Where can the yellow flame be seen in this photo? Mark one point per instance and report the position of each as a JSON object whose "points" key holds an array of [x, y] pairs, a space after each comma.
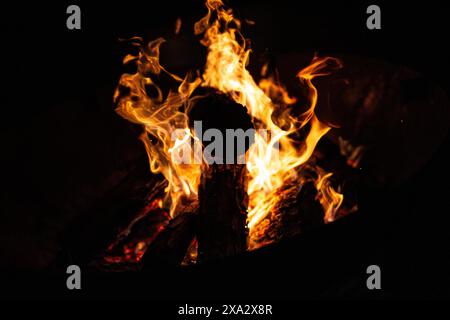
{"points": [[272, 161], [162, 118]]}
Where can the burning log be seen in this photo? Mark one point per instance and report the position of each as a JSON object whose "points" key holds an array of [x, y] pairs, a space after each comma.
{"points": [[91, 235], [170, 246], [298, 210], [222, 192], [222, 219], [219, 223]]}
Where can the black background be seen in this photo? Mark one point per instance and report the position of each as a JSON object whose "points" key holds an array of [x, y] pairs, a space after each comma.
{"points": [[60, 139]]}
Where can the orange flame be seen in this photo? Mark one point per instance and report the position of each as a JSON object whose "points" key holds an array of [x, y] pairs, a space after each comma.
{"points": [[328, 197], [272, 161], [162, 120]]}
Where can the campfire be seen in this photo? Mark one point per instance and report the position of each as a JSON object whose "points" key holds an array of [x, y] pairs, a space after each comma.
{"points": [[209, 197]]}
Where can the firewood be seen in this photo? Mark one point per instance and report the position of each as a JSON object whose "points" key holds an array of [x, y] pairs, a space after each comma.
{"points": [[170, 246], [96, 229], [222, 216], [222, 192]]}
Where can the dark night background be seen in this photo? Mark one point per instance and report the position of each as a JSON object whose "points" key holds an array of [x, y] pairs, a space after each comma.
{"points": [[61, 140]]}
